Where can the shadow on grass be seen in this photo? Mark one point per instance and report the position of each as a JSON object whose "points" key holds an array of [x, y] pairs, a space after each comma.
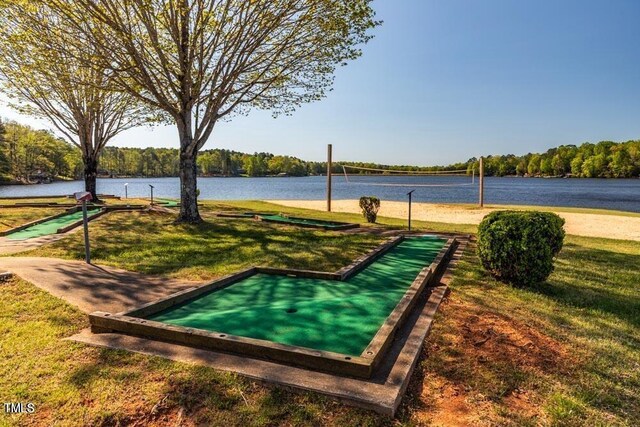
{"points": [[598, 280], [153, 244], [200, 395]]}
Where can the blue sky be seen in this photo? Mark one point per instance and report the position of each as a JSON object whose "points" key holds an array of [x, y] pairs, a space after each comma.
{"points": [[446, 80]]}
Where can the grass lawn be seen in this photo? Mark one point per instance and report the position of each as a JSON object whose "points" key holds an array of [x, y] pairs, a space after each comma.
{"points": [[565, 353], [43, 200], [16, 216], [67, 200], [151, 243]]}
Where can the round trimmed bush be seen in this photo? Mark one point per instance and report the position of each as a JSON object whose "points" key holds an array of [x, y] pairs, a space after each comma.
{"points": [[518, 247], [370, 206]]}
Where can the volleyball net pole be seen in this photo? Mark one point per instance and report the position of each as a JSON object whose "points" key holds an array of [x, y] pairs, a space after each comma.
{"points": [[481, 184], [410, 193], [329, 166]]}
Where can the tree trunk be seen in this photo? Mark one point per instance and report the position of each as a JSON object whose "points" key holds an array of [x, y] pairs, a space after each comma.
{"points": [[90, 175], [188, 188], [188, 176]]}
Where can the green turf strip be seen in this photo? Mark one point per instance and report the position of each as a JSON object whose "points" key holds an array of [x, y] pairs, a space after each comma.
{"points": [[167, 203], [301, 221], [329, 315], [49, 227]]}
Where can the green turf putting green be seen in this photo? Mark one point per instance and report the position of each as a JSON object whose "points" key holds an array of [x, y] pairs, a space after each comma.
{"points": [[167, 203], [241, 214], [331, 315], [307, 222], [50, 227]]}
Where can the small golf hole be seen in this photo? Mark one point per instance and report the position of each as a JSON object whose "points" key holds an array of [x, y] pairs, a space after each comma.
{"points": [[369, 352], [222, 335], [347, 358], [292, 310]]}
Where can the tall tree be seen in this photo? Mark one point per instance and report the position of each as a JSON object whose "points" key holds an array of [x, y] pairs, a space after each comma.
{"points": [[45, 73], [4, 161], [200, 61]]}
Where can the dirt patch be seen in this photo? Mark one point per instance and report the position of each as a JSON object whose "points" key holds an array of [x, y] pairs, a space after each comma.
{"points": [[494, 338], [478, 365], [452, 407]]}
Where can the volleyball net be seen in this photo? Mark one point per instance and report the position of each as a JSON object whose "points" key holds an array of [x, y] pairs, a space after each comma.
{"points": [[359, 175]]}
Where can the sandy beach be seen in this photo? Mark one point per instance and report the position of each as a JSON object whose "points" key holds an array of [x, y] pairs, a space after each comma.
{"points": [[579, 224]]}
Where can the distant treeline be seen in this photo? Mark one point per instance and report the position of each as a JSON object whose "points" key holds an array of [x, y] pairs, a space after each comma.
{"points": [[157, 162], [606, 159], [29, 155]]}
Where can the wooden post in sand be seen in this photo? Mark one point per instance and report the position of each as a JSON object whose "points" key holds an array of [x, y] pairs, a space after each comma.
{"points": [[481, 183], [329, 165]]}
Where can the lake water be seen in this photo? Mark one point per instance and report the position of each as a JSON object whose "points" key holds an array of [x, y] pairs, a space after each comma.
{"points": [[618, 194]]}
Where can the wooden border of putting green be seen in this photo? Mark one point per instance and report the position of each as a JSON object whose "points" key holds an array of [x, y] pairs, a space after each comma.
{"points": [[90, 217], [125, 208], [103, 210], [245, 215], [73, 205], [39, 205], [134, 322], [74, 209], [36, 197], [260, 216], [320, 223], [37, 221]]}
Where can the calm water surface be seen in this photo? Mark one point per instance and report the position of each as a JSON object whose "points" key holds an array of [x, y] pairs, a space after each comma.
{"points": [[618, 194]]}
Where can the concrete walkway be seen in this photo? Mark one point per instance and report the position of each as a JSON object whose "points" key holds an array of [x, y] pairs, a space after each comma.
{"points": [[91, 287], [8, 246]]}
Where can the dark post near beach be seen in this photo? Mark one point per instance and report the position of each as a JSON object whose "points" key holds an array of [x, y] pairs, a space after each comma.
{"points": [[410, 193], [481, 179], [151, 187], [329, 165]]}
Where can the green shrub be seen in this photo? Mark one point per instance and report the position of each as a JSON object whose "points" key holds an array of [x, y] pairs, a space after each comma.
{"points": [[518, 247], [370, 206]]}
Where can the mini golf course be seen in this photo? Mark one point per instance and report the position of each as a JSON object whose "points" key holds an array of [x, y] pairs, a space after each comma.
{"points": [[51, 226], [339, 322], [329, 315], [290, 220]]}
